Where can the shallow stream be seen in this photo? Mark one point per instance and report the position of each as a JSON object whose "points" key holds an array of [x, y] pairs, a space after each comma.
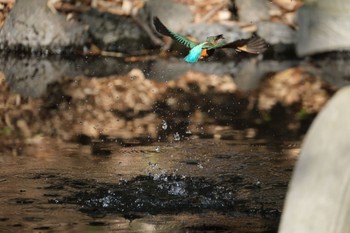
{"points": [[194, 185]]}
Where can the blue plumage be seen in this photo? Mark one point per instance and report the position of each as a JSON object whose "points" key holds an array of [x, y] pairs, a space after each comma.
{"points": [[194, 53]]}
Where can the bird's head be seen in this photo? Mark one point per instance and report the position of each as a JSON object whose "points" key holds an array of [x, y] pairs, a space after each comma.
{"points": [[215, 39]]}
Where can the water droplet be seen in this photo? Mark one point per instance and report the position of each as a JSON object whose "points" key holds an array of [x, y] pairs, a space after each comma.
{"points": [[164, 125], [158, 149], [177, 136], [258, 183], [152, 165]]}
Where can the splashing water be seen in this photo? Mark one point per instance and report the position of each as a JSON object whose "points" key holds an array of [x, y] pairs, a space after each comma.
{"points": [[177, 136], [157, 149], [164, 125]]}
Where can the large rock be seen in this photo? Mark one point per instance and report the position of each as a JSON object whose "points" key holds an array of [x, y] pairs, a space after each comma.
{"points": [[252, 11], [115, 32], [276, 33], [174, 15], [323, 26], [32, 26], [318, 199]]}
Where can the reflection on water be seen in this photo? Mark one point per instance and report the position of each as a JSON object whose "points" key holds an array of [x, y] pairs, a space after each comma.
{"points": [[195, 185], [29, 76]]}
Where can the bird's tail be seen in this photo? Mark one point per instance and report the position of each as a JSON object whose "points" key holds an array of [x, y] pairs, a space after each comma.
{"points": [[160, 27]]}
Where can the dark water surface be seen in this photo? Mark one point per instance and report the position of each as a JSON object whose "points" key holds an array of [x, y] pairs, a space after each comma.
{"points": [[194, 185]]}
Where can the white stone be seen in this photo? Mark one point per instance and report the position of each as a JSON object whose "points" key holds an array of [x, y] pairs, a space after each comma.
{"points": [[318, 199]]}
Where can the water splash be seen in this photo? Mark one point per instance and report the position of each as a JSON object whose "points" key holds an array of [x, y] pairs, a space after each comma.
{"points": [[164, 125], [177, 136]]}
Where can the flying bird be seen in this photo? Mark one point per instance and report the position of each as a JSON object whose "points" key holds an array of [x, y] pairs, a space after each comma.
{"points": [[199, 50]]}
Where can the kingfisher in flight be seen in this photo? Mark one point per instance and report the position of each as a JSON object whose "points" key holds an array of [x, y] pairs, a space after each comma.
{"points": [[199, 50]]}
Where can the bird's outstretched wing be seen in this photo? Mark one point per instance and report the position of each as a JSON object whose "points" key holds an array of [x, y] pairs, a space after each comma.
{"points": [[254, 45], [160, 27]]}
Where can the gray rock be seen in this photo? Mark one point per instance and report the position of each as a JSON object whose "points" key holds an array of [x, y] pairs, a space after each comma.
{"points": [[202, 31], [318, 199], [276, 33], [323, 26], [173, 14], [32, 26], [252, 11], [115, 32]]}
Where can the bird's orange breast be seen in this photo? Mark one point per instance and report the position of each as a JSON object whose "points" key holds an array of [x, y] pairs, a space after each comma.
{"points": [[204, 53]]}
